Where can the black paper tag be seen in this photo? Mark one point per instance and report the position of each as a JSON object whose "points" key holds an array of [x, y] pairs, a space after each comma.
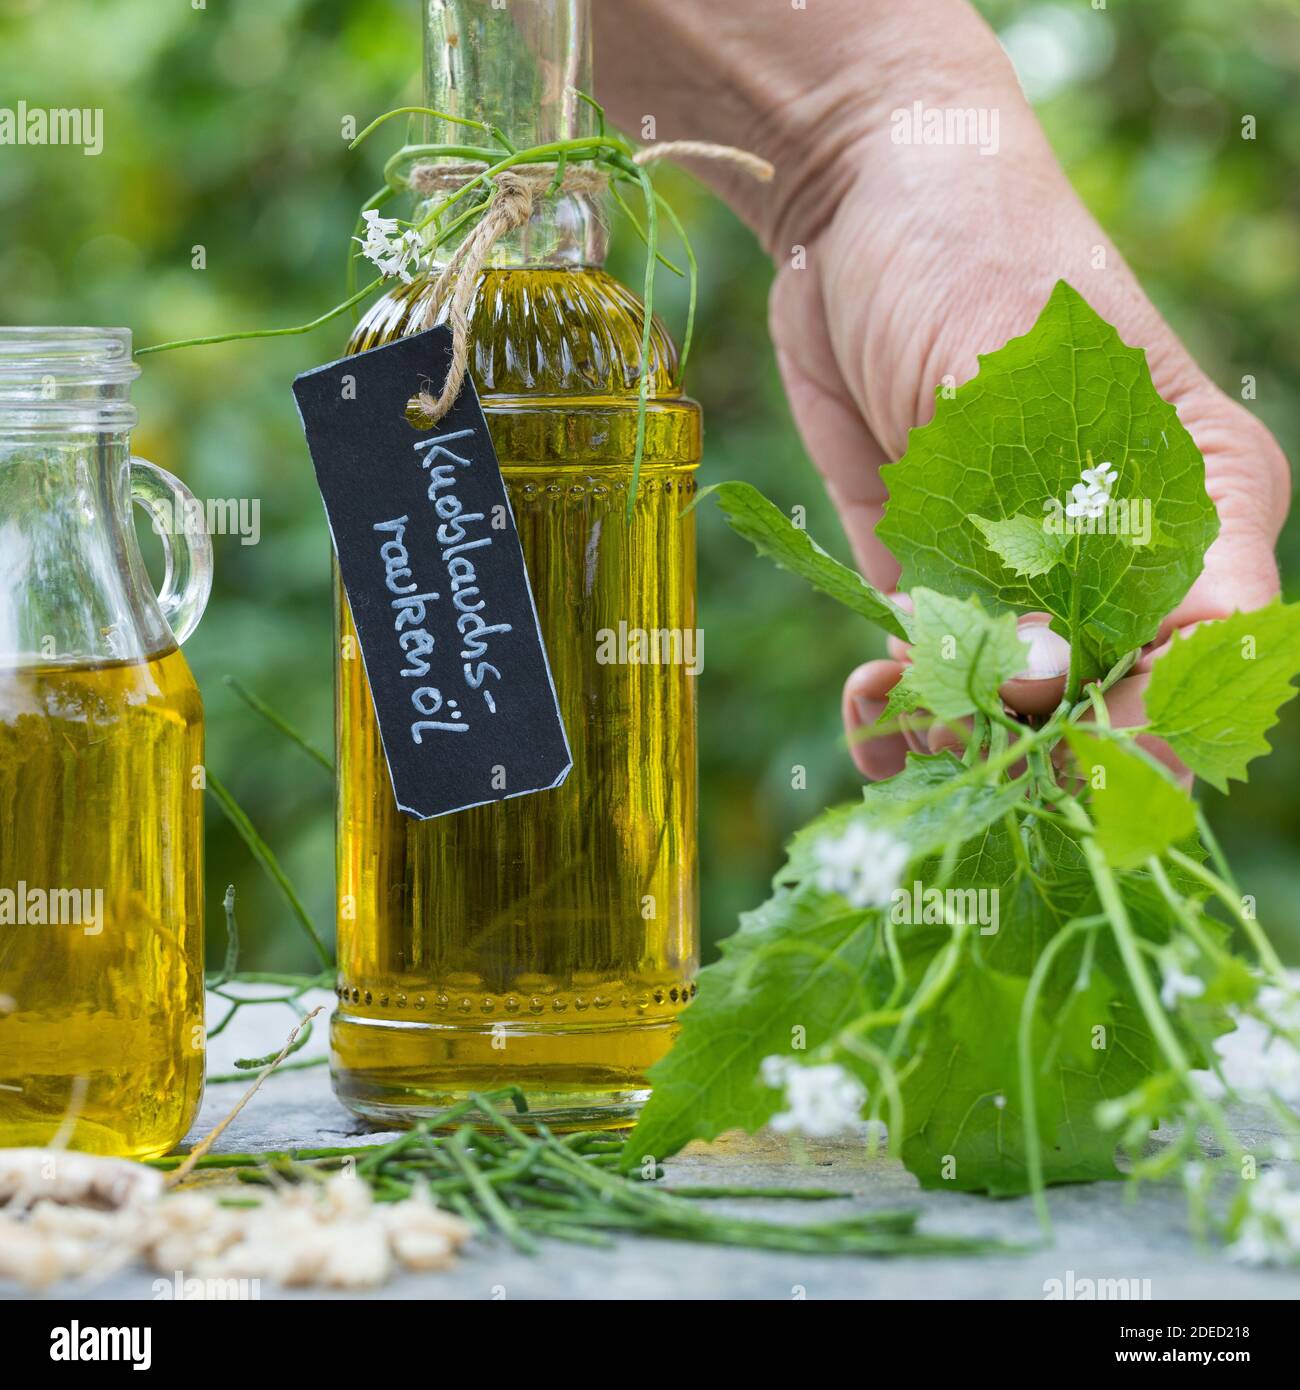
{"points": [[433, 570]]}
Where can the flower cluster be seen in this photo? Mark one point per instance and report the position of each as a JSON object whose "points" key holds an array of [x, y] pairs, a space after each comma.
{"points": [[820, 1101], [1176, 983], [1090, 498], [1259, 1061], [862, 865], [1270, 1229], [392, 251]]}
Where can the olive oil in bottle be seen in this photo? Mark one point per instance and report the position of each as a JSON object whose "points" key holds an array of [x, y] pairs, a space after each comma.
{"points": [[101, 958], [548, 941], [101, 763]]}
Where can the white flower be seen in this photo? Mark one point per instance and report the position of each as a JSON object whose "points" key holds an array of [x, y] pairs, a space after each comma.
{"points": [[1281, 1005], [1258, 1060], [1088, 501], [1103, 476], [820, 1101], [1178, 985], [1270, 1228], [862, 865], [1092, 496], [393, 252]]}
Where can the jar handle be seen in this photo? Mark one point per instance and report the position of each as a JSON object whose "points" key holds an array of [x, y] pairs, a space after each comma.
{"points": [[187, 547]]}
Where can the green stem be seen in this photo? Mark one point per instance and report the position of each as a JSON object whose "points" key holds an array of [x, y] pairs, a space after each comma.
{"points": [[1263, 946], [1157, 1019], [1076, 602], [265, 332], [489, 130], [232, 940], [1024, 1052], [261, 851], [277, 721], [693, 284]]}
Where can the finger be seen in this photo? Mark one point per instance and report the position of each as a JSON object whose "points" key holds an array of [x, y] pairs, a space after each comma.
{"points": [[896, 647], [1041, 685], [1249, 481], [943, 737], [1126, 709], [830, 422], [865, 693]]}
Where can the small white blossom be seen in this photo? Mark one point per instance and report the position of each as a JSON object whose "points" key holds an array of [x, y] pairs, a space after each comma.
{"points": [[1091, 497], [392, 251], [1259, 1061], [1270, 1229], [1103, 476], [1087, 501], [820, 1101], [1178, 985], [862, 865]]}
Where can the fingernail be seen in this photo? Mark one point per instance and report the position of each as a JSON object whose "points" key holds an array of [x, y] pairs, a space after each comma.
{"points": [[1049, 652], [866, 711]]}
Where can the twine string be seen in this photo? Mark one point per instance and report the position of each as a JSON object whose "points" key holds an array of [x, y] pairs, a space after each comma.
{"points": [[513, 194]]}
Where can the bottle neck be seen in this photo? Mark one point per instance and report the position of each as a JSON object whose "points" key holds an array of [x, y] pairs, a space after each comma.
{"points": [[518, 67]]}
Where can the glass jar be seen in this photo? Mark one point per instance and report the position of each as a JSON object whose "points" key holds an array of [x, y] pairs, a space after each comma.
{"points": [[550, 941], [101, 762]]}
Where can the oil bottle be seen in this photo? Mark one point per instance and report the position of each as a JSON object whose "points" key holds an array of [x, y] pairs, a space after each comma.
{"points": [[101, 755], [549, 941]]}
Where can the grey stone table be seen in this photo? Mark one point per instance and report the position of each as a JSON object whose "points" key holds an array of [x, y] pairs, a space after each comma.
{"points": [[1102, 1232]]}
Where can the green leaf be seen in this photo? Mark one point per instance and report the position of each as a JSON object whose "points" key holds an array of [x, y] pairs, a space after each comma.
{"points": [[1024, 544], [1138, 808], [912, 806], [960, 654], [1020, 433], [1216, 692], [803, 960], [964, 1118], [903, 699], [804, 963], [773, 534]]}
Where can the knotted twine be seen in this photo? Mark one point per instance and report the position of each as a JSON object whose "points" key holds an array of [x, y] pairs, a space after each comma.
{"points": [[513, 193]]}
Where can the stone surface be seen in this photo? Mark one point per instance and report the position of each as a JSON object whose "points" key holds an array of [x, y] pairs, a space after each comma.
{"points": [[1102, 1231]]}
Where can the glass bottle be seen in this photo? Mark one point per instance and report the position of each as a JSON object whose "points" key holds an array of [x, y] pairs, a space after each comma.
{"points": [[549, 941], [101, 751]]}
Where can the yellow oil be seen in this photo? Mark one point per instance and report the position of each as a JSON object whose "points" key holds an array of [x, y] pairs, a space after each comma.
{"points": [[549, 941], [101, 1021]]}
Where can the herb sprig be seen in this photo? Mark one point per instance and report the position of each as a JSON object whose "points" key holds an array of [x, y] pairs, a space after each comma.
{"points": [[523, 1185], [1045, 982]]}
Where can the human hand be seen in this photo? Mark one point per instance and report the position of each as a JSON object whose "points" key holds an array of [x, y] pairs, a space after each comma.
{"points": [[898, 263], [932, 254]]}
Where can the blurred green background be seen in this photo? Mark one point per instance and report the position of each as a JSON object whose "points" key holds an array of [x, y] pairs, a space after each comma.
{"points": [[223, 130]]}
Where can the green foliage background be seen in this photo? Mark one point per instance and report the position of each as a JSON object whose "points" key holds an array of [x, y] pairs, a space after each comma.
{"points": [[222, 129]]}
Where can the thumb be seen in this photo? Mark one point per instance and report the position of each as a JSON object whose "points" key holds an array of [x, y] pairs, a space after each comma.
{"points": [[1039, 688]]}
